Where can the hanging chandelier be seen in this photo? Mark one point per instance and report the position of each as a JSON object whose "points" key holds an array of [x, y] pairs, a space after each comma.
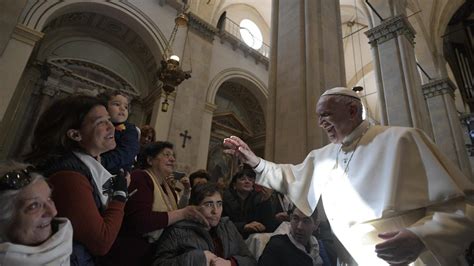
{"points": [[170, 72]]}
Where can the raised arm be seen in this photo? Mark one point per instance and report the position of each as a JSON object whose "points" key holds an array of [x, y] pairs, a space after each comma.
{"points": [[237, 147]]}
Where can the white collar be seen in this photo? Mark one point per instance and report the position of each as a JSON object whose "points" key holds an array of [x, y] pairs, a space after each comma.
{"points": [[54, 251], [357, 133], [313, 248], [100, 175]]}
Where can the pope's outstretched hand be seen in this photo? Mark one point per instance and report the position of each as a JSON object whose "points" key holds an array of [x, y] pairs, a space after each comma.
{"points": [[237, 147], [400, 247]]}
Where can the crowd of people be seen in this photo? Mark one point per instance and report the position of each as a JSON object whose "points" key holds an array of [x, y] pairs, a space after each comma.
{"points": [[97, 190]]}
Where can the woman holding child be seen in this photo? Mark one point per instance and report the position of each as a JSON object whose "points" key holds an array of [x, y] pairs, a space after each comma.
{"points": [[67, 143]]}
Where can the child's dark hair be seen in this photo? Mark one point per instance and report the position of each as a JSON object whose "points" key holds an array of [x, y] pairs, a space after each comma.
{"points": [[107, 95], [201, 191]]}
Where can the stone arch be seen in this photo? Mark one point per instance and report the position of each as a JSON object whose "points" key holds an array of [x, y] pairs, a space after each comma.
{"points": [[441, 22], [43, 16], [261, 92], [40, 13], [234, 119]]}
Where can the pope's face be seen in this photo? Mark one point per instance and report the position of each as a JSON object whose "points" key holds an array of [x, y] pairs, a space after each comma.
{"points": [[334, 118]]}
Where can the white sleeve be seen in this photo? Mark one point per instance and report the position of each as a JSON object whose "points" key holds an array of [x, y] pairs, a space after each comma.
{"points": [[446, 230], [295, 181]]}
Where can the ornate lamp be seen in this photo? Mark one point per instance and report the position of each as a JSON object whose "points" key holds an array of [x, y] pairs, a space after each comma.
{"points": [[170, 72]]}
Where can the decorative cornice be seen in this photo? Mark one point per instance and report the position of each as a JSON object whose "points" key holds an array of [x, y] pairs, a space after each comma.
{"points": [[390, 29], [26, 35], [438, 87], [237, 43], [204, 29], [210, 108]]}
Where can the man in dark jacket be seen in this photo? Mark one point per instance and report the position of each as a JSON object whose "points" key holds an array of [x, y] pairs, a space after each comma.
{"points": [[298, 247]]}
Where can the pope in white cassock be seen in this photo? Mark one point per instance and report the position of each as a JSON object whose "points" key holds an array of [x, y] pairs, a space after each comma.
{"points": [[388, 192]]}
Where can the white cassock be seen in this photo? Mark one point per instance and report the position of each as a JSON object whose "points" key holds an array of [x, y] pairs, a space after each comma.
{"points": [[382, 179]]}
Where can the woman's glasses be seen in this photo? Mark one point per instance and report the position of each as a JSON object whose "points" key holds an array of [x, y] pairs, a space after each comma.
{"points": [[16, 179], [168, 155]]}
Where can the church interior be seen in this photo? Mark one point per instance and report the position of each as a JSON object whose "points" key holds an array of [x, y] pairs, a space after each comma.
{"points": [[249, 68]]}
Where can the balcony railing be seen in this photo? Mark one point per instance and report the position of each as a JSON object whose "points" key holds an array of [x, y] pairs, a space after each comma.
{"points": [[234, 29]]}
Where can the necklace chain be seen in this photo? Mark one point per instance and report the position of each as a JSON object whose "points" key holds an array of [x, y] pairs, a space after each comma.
{"points": [[352, 154]]}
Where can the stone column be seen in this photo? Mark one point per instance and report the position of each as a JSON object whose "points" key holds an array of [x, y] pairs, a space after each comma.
{"points": [[399, 85], [205, 135], [13, 62], [307, 44], [10, 11], [447, 131]]}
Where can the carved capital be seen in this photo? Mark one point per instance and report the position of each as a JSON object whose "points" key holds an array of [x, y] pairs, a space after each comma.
{"points": [[438, 87], [210, 107], [26, 35], [391, 28], [50, 88]]}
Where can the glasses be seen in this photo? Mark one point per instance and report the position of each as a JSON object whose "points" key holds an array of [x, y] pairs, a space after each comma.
{"points": [[16, 179], [168, 155], [244, 177], [212, 205]]}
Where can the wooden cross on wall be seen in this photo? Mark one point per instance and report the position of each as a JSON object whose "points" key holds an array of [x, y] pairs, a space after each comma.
{"points": [[185, 137]]}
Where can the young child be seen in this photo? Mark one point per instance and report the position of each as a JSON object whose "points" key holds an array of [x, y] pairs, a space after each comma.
{"points": [[126, 134]]}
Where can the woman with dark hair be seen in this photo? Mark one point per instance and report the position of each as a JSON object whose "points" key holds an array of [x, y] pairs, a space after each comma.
{"points": [[191, 243], [67, 143], [248, 209], [30, 234], [147, 135], [153, 208]]}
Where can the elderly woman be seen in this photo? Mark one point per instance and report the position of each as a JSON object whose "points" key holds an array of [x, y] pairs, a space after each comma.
{"points": [[151, 209], [67, 143], [191, 243], [29, 232]]}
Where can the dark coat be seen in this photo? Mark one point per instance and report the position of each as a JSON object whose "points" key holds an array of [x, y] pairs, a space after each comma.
{"points": [[183, 244], [242, 212], [280, 251], [69, 162], [123, 156]]}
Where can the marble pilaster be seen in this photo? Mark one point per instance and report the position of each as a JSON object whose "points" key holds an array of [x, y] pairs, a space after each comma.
{"points": [[306, 59], [399, 85], [447, 130], [13, 62], [205, 135]]}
